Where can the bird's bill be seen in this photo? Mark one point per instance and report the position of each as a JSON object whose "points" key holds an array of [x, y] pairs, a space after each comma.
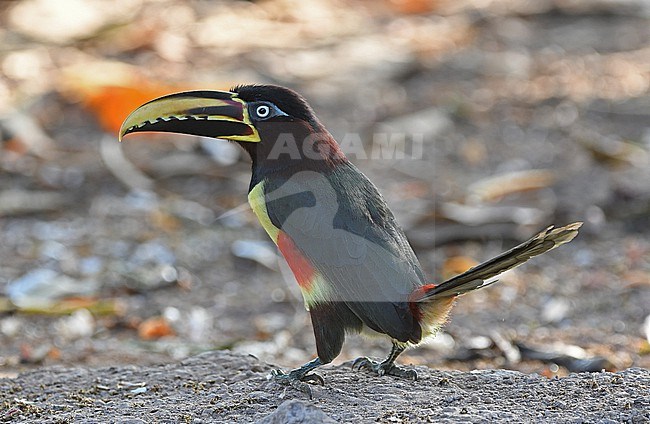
{"points": [[217, 114]]}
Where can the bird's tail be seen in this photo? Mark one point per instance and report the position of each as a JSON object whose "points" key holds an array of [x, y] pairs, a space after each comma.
{"points": [[482, 275]]}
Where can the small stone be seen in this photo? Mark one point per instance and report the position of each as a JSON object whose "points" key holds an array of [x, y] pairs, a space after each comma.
{"points": [[81, 324], [295, 411], [42, 286], [555, 310]]}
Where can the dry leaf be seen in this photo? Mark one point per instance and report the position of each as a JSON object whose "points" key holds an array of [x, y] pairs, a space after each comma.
{"points": [[494, 188], [615, 153], [164, 221], [154, 328], [413, 7], [457, 265], [72, 304], [111, 90], [636, 278]]}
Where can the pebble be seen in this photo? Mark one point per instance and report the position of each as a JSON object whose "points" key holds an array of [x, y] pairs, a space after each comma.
{"points": [[153, 251], [80, 324], [294, 412], [10, 326], [42, 286]]}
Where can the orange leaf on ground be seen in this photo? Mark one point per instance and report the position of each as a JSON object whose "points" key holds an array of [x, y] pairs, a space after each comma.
{"points": [[154, 328], [112, 104], [54, 354], [15, 145], [412, 7], [548, 373], [112, 90]]}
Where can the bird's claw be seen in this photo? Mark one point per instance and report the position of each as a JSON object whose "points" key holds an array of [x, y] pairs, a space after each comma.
{"points": [[364, 363], [313, 378], [297, 381], [382, 368]]}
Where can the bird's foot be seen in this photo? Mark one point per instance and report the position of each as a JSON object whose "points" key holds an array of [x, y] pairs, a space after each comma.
{"points": [[297, 379], [384, 368]]}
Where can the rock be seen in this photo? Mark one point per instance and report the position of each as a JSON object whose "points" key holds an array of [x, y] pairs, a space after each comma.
{"points": [[42, 286], [80, 324], [295, 411]]}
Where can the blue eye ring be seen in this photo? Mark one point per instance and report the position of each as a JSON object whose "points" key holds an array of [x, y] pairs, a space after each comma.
{"points": [[262, 110]]}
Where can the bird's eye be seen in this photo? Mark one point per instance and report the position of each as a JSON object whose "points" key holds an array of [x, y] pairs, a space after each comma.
{"points": [[263, 111]]}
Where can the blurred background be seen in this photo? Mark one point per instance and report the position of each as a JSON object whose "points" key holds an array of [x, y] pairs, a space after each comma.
{"points": [[518, 114]]}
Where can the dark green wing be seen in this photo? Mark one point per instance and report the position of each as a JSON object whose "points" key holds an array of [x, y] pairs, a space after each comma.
{"points": [[341, 224]]}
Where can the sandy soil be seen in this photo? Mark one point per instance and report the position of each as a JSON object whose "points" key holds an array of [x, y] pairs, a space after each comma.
{"points": [[224, 387]]}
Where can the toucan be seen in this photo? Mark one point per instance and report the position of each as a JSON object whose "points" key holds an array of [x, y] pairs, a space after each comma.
{"points": [[355, 267]]}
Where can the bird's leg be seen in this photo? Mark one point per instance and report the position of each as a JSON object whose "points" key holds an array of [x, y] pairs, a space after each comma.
{"points": [[299, 377], [387, 366]]}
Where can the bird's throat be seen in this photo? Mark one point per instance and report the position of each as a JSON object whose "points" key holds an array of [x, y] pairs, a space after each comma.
{"points": [[292, 157]]}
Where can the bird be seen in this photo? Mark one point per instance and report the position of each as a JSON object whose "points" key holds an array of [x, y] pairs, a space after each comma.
{"points": [[352, 261]]}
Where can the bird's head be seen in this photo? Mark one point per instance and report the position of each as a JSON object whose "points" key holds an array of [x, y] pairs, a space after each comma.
{"points": [[275, 125]]}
